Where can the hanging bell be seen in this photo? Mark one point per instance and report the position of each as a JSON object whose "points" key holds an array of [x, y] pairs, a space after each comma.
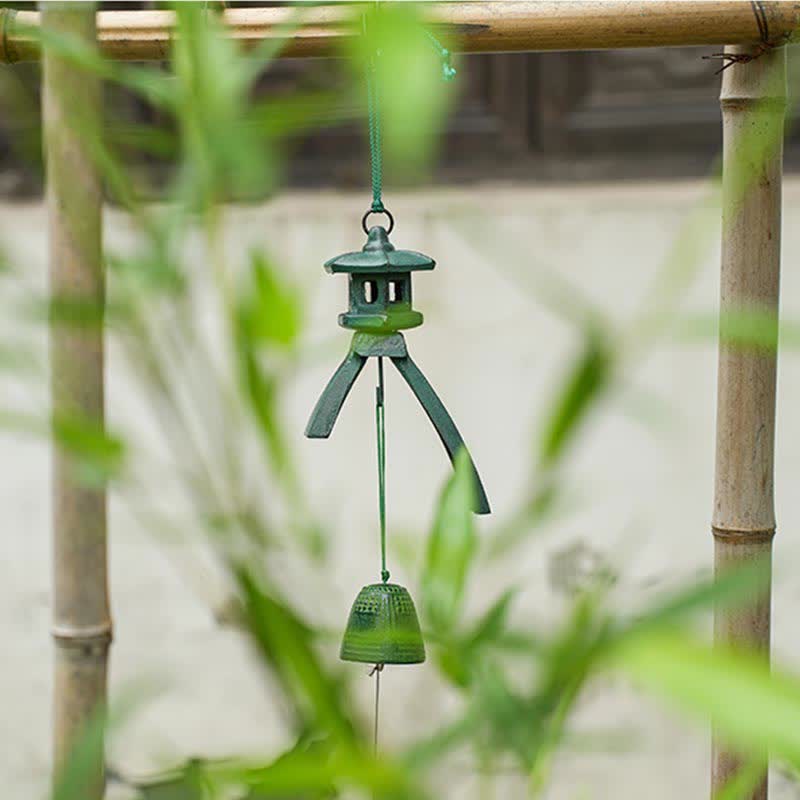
{"points": [[383, 627]]}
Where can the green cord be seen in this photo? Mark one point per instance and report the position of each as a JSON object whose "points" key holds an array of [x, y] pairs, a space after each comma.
{"points": [[448, 70], [374, 111], [375, 156], [381, 432]]}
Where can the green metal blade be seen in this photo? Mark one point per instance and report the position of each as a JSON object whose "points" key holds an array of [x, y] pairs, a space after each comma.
{"points": [[330, 403], [442, 422]]}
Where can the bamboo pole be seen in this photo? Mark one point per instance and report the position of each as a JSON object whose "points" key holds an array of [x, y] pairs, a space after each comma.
{"points": [[473, 27], [71, 109], [753, 100]]}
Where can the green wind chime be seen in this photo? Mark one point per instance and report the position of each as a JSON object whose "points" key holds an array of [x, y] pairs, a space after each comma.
{"points": [[383, 627]]}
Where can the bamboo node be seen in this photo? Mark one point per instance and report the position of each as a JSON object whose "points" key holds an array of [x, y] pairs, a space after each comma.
{"points": [[734, 536], [82, 635]]}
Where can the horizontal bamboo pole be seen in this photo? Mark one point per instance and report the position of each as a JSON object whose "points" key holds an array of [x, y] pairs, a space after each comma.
{"points": [[472, 27]]}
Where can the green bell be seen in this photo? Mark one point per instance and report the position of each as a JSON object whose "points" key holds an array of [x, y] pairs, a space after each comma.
{"points": [[383, 627]]}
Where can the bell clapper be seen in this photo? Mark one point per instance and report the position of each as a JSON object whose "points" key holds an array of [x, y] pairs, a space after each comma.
{"points": [[376, 671]]}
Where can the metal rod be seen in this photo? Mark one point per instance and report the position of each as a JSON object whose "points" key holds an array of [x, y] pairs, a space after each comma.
{"points": [[378, 670], [470, 27], [71, 108], [753, 100], [380, 429]]}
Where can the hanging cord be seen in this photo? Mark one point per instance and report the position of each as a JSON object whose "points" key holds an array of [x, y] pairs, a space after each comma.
{"points": [[375, 146], [375, 143], [381, 436], [449, 72]]}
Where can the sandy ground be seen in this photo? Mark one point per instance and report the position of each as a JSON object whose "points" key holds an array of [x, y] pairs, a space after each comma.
{"points": [[643, 471]]}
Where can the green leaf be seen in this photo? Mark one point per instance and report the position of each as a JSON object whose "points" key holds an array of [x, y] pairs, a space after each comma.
{"points": [[313, 769], [589, 377], [743, 783], [224, 156], [756, 329], [727, 590], [77, 777], [286, 644], [268, 321], [511, 719], [491, 626], [97, 454], [451, 548], [270, 311], [458, 658], [261, 392], [413, 98], [187, 784], [751, 706]]}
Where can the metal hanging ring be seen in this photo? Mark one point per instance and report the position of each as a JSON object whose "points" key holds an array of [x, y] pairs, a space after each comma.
{"points": [[369, 213]]}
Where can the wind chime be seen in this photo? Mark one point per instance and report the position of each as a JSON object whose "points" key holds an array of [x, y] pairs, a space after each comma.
{"points": [[383, 627]]}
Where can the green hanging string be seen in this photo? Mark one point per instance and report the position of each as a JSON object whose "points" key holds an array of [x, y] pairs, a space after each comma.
{"points": [[381, 436], [374, 115], [448, 70], [375, 148]]}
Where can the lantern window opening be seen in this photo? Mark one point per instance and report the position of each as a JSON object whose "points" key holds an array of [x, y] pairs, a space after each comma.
{"points": [[370, 291], [396, 293]]}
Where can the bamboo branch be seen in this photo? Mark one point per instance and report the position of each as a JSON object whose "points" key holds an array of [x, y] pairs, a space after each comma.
{"points": [[471, 27], [71, 108], [753, 101]]}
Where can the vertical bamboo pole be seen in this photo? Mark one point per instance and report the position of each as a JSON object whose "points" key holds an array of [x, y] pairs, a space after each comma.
{"points": [[753, 100], [71, 109]]}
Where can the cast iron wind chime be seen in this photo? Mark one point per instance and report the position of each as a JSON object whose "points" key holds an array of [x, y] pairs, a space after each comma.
{"points": [[383, 627]]}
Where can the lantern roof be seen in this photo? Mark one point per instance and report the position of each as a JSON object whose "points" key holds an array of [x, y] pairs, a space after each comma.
{"points": [[380, 255]]}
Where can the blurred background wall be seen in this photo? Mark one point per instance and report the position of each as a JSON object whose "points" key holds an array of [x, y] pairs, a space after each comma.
{"points": [[606, 115]]}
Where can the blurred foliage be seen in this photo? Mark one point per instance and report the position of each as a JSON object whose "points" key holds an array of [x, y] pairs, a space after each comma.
{"points": [[517, 681]]}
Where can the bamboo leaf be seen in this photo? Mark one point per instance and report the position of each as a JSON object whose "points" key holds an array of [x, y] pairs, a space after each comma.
{"points": [[491, 626], [451, 548], [270, 311], [223, 156], [414, 99], [98, 455], [186, 785], [77, 777], [753, 707], [314, 768], [268, 320], [286, 645], [744, 782], [589, 377], [726, 590], [753, 328]]}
